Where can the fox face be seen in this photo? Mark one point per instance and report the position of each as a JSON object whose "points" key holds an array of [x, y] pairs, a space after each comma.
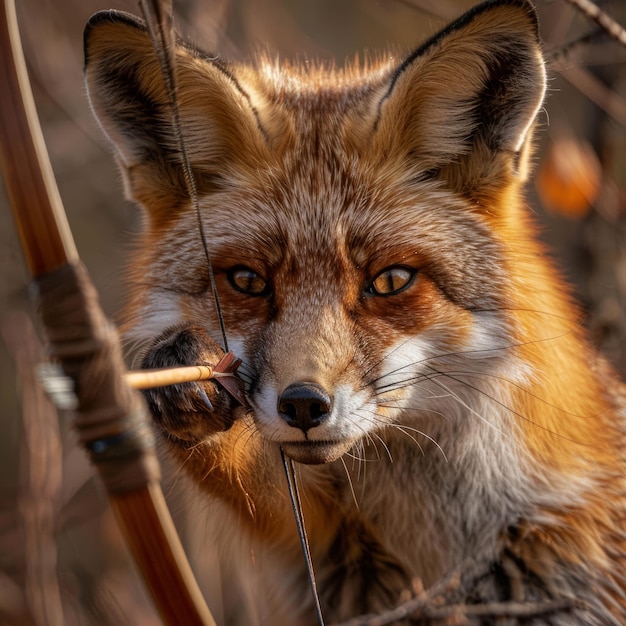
{"points": [[378, 275], [347, 214]]}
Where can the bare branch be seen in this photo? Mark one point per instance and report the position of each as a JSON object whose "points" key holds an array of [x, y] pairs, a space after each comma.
{"points": [[440, 605], [604, 20], [563, 51]]}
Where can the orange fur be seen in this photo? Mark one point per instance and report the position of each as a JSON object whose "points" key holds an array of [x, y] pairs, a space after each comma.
{"points": [[404, 335]]}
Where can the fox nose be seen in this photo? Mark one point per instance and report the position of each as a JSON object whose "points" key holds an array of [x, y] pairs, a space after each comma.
{"points": [[305, 405]]}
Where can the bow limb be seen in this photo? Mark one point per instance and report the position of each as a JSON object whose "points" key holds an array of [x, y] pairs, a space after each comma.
{"points": [[33, 195], [111, 419]]}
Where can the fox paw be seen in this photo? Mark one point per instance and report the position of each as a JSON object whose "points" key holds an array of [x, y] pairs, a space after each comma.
{"points": [[188, 411]]}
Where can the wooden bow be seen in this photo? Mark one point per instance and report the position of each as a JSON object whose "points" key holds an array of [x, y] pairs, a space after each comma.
{"points": [[49, 251]]}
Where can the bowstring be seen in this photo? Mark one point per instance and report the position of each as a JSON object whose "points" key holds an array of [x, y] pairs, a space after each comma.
{"points": [[296, 505], [158, 16], [159, 19]]}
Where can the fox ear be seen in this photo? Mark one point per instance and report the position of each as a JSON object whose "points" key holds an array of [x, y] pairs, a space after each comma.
{"points": [[128, 96], [462, 106]]}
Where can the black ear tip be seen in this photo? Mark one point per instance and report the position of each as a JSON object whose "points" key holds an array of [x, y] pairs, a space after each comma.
{"points": [[488, 5], [525, 5], [111, 16]]}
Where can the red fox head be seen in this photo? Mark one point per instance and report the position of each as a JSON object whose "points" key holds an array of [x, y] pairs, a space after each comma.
{"points": [[360, 221]]}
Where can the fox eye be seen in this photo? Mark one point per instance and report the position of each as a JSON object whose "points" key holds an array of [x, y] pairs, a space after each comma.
{"points": [[247, 281], [391, 281]]}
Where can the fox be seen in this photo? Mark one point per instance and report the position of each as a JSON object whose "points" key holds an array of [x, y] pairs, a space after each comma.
{"points": [[405, 338]]}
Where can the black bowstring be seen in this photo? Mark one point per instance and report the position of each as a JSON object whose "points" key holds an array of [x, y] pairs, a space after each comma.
{"points": [[296, 505], [161, 29]]}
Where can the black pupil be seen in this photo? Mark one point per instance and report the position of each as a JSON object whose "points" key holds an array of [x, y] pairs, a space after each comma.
{"points": [[391, 280], [249, 281]]}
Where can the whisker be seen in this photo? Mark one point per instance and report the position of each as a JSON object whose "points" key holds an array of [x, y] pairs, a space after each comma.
{"points": [[513, 411], [469, 408], [452, 354], [454, 373], [349, 479], [387, 450], [403, 428], [358, 458]]}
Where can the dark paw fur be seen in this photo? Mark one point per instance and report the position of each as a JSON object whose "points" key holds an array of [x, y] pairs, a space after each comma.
{"points": [[189, 411]]}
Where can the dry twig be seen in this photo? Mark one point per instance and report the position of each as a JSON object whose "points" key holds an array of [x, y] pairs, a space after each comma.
{"points": [[439, 605], [604, 20]]}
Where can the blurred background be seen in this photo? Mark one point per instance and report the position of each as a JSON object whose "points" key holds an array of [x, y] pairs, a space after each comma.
{"points": [[60, 552]]}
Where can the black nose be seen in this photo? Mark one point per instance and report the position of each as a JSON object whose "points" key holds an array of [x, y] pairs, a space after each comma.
{"points": [[305, 405]]}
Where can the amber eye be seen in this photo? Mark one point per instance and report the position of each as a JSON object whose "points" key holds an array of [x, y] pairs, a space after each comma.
{"points": [[247, 281], [391, 281]]}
